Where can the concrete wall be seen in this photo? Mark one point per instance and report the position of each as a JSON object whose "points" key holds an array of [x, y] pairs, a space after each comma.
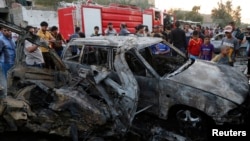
{"points": [[2, 3], [22, 16]]}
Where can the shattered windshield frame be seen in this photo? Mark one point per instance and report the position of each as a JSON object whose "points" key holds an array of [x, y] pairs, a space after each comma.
{"points": [[178, 62]]}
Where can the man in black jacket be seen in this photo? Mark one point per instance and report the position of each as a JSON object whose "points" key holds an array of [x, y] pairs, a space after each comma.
{"points": [[236, 32], [178, 39]]}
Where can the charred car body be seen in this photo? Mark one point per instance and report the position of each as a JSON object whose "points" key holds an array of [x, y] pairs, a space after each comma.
{"points": [[115, 86]]}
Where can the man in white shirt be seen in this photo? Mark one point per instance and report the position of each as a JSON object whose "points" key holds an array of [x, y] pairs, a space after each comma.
{"points": [[110, 31], [33, 53]]}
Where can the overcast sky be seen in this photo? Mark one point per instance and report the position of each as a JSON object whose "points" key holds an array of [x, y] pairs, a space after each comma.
{"points": [[206, 6]]}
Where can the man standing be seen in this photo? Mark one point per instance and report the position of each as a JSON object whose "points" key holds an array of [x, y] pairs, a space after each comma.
{"points": [[110, 31], [201, 35], [247, 34], [74, 48], [44, 34], [157, 32], [188, 32], [163, 33], [7, 51], [124, 31], [140, 31], [230, 41], [33, 53], [236, 32], [7, 59], [178, 39], [2, 88], [59, 40]]}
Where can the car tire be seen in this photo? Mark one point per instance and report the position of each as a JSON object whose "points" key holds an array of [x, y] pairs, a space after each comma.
{"points": [[192, 123]]}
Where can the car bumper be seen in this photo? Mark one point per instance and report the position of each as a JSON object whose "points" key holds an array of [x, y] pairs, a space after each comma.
{"points": [[240, 115]]}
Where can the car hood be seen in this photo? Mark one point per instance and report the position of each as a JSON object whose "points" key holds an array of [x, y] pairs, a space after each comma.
{"points": [[221, 80]]}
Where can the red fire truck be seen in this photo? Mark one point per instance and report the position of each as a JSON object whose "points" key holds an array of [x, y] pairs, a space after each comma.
{"points": [[89, 15]]}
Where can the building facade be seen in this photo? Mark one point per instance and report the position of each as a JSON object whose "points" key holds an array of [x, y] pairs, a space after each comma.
{"points": [[4, 10]]}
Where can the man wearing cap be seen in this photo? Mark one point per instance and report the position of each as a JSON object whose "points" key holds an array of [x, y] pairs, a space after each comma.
{"points": [[230, 41], [110, 31]]}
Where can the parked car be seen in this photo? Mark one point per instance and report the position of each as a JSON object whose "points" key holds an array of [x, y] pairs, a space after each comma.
{"points": [[216, 40]]}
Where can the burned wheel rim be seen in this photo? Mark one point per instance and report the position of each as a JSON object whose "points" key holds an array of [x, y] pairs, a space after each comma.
{"points": [[188, 119], [192, 124]]}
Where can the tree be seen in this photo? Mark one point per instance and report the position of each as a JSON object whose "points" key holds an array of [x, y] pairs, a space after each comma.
{"points": [[194, 15], [237, 15], [224, 13], [196, 9], [179, 14]]}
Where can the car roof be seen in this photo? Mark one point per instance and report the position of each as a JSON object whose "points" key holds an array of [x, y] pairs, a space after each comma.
{"points": [[126, 42]]}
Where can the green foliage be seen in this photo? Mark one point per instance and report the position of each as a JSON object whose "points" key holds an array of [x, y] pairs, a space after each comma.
{"points": [[224, 14], [193, 15], [179, 14]]}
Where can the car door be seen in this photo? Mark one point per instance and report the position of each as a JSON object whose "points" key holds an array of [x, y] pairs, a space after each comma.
{"points": [[146, 81]]}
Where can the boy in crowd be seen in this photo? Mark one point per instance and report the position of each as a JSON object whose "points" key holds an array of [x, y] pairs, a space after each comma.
{"points": [[194, 46], [223, 57], [207, 49], [96, 32]]}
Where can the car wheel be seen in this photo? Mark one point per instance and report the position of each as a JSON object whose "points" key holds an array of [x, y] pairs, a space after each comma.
{"points": [[193, 124]]}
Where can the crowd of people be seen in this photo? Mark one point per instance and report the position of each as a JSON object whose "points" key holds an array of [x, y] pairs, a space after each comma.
{"points": [[193, 42]]}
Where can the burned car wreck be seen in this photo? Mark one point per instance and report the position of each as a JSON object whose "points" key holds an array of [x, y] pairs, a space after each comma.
{"points": [[115, 86]]}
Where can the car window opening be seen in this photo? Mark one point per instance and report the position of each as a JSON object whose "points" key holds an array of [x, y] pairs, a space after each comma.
{"points": [[162, 64]]}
